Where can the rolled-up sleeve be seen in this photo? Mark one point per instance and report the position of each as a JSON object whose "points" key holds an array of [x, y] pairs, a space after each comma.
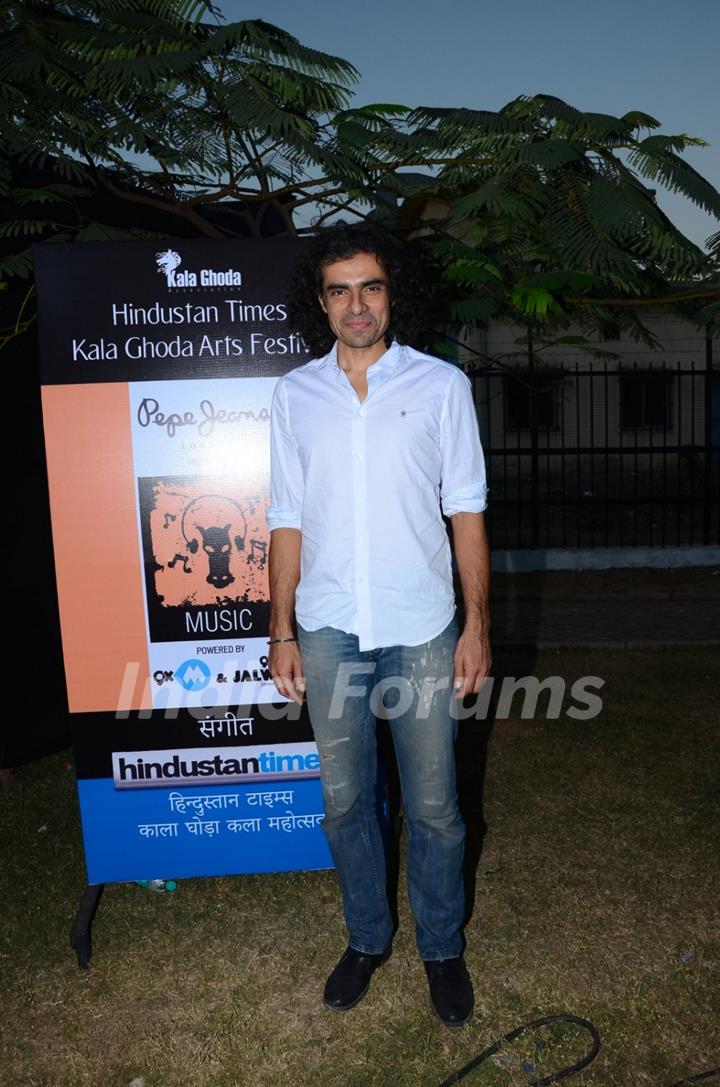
{"points": [[463, 487], [286, 476]]}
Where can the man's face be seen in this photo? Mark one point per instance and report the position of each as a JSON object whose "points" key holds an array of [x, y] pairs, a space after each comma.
{"points": [[356, 298]]}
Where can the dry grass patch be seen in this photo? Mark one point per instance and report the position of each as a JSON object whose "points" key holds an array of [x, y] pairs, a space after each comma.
{"points": [[596, 894]]}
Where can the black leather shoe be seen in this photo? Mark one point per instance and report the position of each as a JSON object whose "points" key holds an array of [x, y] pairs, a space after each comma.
{"points": [[350, 979], [451, 991]]}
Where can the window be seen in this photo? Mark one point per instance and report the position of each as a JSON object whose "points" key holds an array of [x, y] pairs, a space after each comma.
{"points": [[539, 390], [645, 399]]}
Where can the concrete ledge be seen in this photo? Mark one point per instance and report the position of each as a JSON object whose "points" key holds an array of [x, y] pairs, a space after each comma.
{"points": [[545, 646], [602, 558]]}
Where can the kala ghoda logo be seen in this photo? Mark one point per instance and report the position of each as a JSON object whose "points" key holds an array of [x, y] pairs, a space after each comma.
{"points": [[168, 264]]}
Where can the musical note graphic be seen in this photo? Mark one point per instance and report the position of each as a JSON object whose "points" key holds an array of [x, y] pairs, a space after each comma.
{"points": [[261, 547]]}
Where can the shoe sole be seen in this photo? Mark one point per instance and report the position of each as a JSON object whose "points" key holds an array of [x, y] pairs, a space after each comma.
{"points": [[347, 1007], [455, 1025]]}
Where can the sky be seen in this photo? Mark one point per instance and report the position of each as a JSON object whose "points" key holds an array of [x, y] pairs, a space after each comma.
{"points": [[608, 56]]}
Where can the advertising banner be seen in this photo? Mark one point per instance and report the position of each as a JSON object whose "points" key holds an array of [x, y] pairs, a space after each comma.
{"points": [[158, 368]]}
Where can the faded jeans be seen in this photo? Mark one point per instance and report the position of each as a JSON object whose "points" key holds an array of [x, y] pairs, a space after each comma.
{"points": [[411, 686]]}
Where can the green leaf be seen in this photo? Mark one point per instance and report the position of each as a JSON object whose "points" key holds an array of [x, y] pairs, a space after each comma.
{"points": [[473, 310], [480, 271], [18, 265], [49, 194], [19, 228], [556, 281], [636, 119], [534, 300]]}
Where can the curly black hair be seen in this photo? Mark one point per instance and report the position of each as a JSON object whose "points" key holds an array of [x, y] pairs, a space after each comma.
{"points": [[407, 287]]}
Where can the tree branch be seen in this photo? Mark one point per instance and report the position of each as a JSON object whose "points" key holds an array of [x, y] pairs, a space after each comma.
{"points": [[184, 211], [695, 294]]}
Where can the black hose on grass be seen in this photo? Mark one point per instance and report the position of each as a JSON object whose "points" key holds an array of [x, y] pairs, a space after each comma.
{"points": [[556, 1076], [571, 1069]]}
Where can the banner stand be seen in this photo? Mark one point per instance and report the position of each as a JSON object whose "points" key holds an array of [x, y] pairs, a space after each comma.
{"points": [[158, 371], [80, 933]]}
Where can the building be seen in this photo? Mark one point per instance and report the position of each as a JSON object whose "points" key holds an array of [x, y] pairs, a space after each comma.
{"points": [[615, 449]]}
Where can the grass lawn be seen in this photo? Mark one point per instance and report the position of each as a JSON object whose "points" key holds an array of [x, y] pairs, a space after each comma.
{"points": [[596, 894]]}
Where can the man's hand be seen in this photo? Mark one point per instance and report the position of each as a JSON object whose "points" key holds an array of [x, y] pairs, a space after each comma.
{"points": [[286, 667], [286, 670], [473, 661], [473, 658]]}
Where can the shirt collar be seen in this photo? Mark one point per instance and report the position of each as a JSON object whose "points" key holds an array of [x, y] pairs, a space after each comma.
{"points": [[382, 368]]}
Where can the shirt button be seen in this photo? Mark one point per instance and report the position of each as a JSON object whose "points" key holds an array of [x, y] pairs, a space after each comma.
{"points": [[361, 580], [362, 411], [361, 539], [358, 456]]}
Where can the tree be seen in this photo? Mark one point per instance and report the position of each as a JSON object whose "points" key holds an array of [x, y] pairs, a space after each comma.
{"points": [[544, 216], [153, 118]]}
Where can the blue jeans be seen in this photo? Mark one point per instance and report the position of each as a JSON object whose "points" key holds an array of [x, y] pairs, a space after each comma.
{"points": [[410, 686]]}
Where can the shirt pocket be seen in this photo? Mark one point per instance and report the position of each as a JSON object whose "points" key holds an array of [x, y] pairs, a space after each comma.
{"points": [[405, 444]]}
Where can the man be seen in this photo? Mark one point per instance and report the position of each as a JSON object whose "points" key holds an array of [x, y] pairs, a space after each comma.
{"points": [[371, 442]]}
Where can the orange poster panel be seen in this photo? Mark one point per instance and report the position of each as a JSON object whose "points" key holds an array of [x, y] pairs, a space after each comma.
{"points": [[95, 536]]}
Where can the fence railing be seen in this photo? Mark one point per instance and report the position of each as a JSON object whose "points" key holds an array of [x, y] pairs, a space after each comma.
{"points": [[602, 456]]}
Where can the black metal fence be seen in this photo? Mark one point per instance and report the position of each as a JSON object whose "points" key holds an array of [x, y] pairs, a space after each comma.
{"points": [[603, 455]]}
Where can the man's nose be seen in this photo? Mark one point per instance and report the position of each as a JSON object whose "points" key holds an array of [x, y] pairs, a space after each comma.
{"points": [[357, 302]]}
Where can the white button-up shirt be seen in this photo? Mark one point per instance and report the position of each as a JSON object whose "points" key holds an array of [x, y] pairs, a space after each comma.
{"points": [[365, 482]]}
